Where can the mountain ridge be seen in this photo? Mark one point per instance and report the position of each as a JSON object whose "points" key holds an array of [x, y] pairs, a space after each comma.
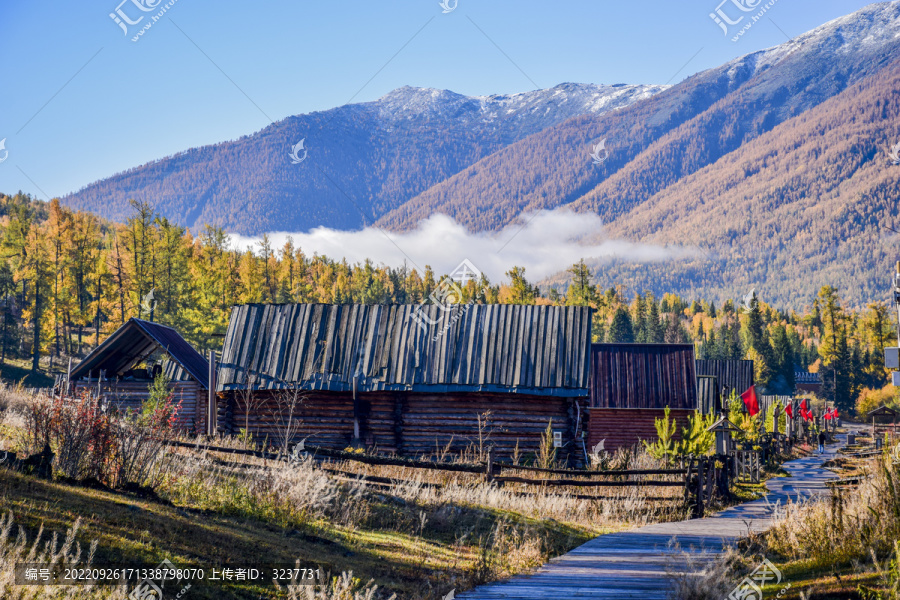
{"points": [[383, 152], [486, 161]]}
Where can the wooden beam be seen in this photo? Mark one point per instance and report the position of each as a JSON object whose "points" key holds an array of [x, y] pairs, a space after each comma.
{"points": [[212, 410]]}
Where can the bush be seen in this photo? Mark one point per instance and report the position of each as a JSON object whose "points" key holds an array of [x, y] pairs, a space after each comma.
{"points": [[89, 443], [77, 431], [664, 446]]}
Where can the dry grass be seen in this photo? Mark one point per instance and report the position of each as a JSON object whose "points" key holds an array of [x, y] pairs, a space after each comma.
{"points": [[344, 587], [704, 576], [15, 548], [847, 526]]}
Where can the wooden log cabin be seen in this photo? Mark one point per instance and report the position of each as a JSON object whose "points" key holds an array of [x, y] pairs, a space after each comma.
{"points": [[112, 373], [376, 376], [630, 387]]}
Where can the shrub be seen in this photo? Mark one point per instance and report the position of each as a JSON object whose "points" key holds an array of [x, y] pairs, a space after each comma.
{"points": [[546, 457], [77, 430], [696, 438], [664, 446], [88, 443]]}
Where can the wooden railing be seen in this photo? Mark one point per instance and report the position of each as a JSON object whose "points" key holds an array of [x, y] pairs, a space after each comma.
{"points": [[701, 479], [746, 465]]}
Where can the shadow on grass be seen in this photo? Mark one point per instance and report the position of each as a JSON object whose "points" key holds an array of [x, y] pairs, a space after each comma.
{"points": [[133, 530]]}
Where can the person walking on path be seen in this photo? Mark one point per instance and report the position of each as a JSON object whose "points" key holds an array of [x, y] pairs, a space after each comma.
{"points": [[821, 442]]}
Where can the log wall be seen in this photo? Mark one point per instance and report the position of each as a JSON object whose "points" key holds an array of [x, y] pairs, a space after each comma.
{"points": [[410, 424], [624, 427], [125, 395]]}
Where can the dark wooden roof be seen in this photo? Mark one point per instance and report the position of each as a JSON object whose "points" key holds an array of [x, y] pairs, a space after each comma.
{"points": [[643, 376], [807, 378], [730, 374], [496, 348], [884, 411], [136, 340]]}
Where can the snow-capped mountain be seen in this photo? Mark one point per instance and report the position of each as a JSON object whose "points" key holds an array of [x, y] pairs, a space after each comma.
{"points": [[383, 153], [546, 107]]}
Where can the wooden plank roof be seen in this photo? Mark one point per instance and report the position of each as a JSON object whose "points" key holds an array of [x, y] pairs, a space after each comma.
{"points": [[884, 411], [471, 347], [643, 376], [136, 340]]}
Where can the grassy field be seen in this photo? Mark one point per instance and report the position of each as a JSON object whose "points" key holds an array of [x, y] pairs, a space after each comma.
{"points": [[20, 371], [133, 530], [422, 536]]}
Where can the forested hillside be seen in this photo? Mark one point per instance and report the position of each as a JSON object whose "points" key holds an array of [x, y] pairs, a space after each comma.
{"points": [[810, 203], [68, 279], [361, 160]]}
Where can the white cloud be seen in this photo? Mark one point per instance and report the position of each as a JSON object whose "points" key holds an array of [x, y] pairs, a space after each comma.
{"points": [[549, 242]]}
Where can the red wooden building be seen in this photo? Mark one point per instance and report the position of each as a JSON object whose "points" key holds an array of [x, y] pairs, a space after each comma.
{"points": [[632, 384]]}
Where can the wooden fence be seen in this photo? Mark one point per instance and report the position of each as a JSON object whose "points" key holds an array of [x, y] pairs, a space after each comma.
{"points": [[700, 479], [746, 465]]}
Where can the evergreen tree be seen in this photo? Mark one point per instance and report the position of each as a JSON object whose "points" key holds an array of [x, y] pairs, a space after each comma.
{"points": [[639, 320], [620, 330], [655, 328], [522, 291], [675, 331], [783, 365], [580, 292]]}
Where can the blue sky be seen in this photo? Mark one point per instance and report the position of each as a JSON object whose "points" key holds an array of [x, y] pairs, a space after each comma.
{"points": [[81, 101]]}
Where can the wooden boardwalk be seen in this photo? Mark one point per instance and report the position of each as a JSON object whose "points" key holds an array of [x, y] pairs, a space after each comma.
{"points": [[634, 564]]}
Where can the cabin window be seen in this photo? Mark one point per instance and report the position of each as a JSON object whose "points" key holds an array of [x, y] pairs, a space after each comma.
{"points": [[557, 439]]}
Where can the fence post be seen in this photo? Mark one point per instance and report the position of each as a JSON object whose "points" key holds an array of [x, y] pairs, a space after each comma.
{"points": [[69, 379], [687, 481], [701, 492], [755, 475], [212, 413], [489, 470]]}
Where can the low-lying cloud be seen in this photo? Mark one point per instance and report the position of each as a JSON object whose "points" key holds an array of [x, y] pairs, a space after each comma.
{"points": [[545, 243]]}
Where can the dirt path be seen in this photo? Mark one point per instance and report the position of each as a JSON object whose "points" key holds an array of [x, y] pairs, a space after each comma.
{"points": [[633, 564]]}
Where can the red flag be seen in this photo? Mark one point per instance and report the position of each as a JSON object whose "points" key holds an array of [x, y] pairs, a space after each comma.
{"points": [[827, 415], [804, 409], [834, 414], [789, 410], [750, 401]]}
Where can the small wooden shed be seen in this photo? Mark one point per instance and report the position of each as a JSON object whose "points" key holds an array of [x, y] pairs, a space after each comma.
{"points": [[407, 379], [632, 384], [884, 419], [110, 371]]}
